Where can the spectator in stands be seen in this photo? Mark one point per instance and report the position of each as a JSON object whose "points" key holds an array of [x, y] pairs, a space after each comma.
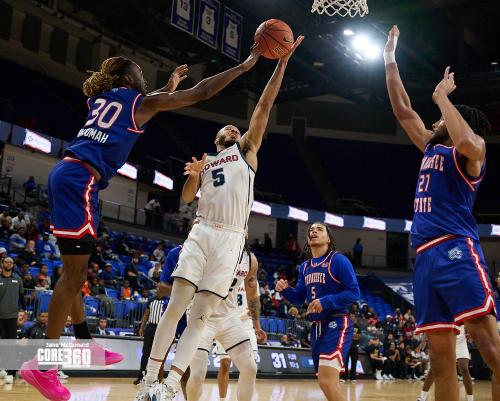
{"points": [[108, 276], [122, 247], [97, 257], [5, 230], [37, 331], [94, 286], [30, 186], [357, 253], [86, 288], [186, 214], [126, 291], [29, 255], [284, 341], [23, 269], [68, 326], [56, 275], [353, 352], [22, 318], [389, 338], [159, 253], [143, 296], [132, 273], [21, 220], [292, 248], [257, 245], [393, 361], [28, 282], [267, 304], [262, 276], [107, 304], [17, 242], [45, 248], [5, 216], [374, 349], [150, 208], [155, 272], [293, 313], [408, 316], [102, 327], [268, 244], [412, 366], [44, 273], [3, 253]]}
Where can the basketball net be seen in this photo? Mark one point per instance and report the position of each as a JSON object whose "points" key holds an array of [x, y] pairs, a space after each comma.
{"points": [[343, 8]]}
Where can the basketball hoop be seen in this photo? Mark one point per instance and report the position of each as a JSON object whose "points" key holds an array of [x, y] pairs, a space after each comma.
{"points": [[343, 8]]}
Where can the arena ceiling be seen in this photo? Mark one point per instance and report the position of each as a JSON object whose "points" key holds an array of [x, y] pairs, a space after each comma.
{"points": [[435, 33]]}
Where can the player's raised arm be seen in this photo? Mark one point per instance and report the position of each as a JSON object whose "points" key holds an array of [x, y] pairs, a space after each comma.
{"points": [[177, 76], [192, 170], [253, 298], [400, 101], [251, 141], [205, 89], [466, 141]]}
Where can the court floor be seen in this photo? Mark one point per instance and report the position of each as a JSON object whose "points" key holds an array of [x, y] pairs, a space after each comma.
{"points": [[114, 389]]}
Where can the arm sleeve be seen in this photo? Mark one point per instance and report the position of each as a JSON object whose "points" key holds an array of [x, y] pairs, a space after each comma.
{"points": [[343, 270], [298, 294], [169, 266]]}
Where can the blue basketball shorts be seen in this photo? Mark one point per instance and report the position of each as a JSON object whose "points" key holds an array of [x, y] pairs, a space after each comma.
{"points": [[450, 284], [331, 340], [73, 197]]}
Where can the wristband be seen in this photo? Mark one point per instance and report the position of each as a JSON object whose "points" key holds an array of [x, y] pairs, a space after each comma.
{"points": [[389, 57]]}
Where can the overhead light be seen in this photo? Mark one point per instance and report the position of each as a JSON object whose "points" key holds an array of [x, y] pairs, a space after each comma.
{"points": [[494, 63], [348, 32], [372, 51], [360, 42], [318, 64]]}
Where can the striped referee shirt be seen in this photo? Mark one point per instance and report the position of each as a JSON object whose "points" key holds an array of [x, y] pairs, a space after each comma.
{"points": [[156, 309]]}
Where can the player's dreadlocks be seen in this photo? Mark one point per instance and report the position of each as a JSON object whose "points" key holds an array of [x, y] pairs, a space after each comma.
{"points": [[306, 251], [475, 118], [108, 77]]}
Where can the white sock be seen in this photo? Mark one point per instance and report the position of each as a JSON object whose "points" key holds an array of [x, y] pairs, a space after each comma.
{"points": [[424, 395], [152, 371], [223, 399], [173, 379], [470, 397]]}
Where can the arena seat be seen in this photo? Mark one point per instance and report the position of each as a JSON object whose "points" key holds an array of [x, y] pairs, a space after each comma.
{"points": [[91, 306], [111, 292], [264, 322]]}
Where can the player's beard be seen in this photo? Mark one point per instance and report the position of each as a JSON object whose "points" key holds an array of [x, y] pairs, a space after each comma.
{"points": [[226, 143]]}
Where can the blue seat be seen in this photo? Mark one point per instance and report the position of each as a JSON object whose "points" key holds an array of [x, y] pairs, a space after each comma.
{"points": [[43, 301], [130, 306], [281, 326], [35, 271], [273, 325], [264, 322], [91, 306], [120, 311]]}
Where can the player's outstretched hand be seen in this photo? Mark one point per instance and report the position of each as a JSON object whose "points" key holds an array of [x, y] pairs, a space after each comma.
{"points": [[296, 44], [314, 307], [392, 40], [195, 166], [179, 75], [446, 86], [261, 336], [255, 52], [281, 285]]}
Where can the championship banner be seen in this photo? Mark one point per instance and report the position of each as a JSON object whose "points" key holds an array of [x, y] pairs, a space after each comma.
{"points": [[208, 22], [231, 35], [183, 15], [403, 286]]}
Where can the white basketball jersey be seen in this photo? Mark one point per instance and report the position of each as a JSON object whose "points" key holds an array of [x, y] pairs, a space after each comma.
{"points": [[242, 303], [226, 188], [231, 304]]}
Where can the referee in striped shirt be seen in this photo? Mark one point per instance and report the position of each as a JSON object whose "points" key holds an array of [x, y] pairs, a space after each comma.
{"points": [[150, 320]]}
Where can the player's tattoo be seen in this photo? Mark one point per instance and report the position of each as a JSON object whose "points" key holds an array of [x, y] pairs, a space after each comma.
{"points": [[254, 308]]}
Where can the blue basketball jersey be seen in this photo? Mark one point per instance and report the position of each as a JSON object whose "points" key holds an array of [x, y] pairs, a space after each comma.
{"points": [[444, 196], [331, 279], [109, 133]]}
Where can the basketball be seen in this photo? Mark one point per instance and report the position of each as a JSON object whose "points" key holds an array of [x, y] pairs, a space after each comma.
{"points": [[275, 38]]}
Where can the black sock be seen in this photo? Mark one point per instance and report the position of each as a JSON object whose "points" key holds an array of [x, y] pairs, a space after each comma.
{"points": [[82, 331]]}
